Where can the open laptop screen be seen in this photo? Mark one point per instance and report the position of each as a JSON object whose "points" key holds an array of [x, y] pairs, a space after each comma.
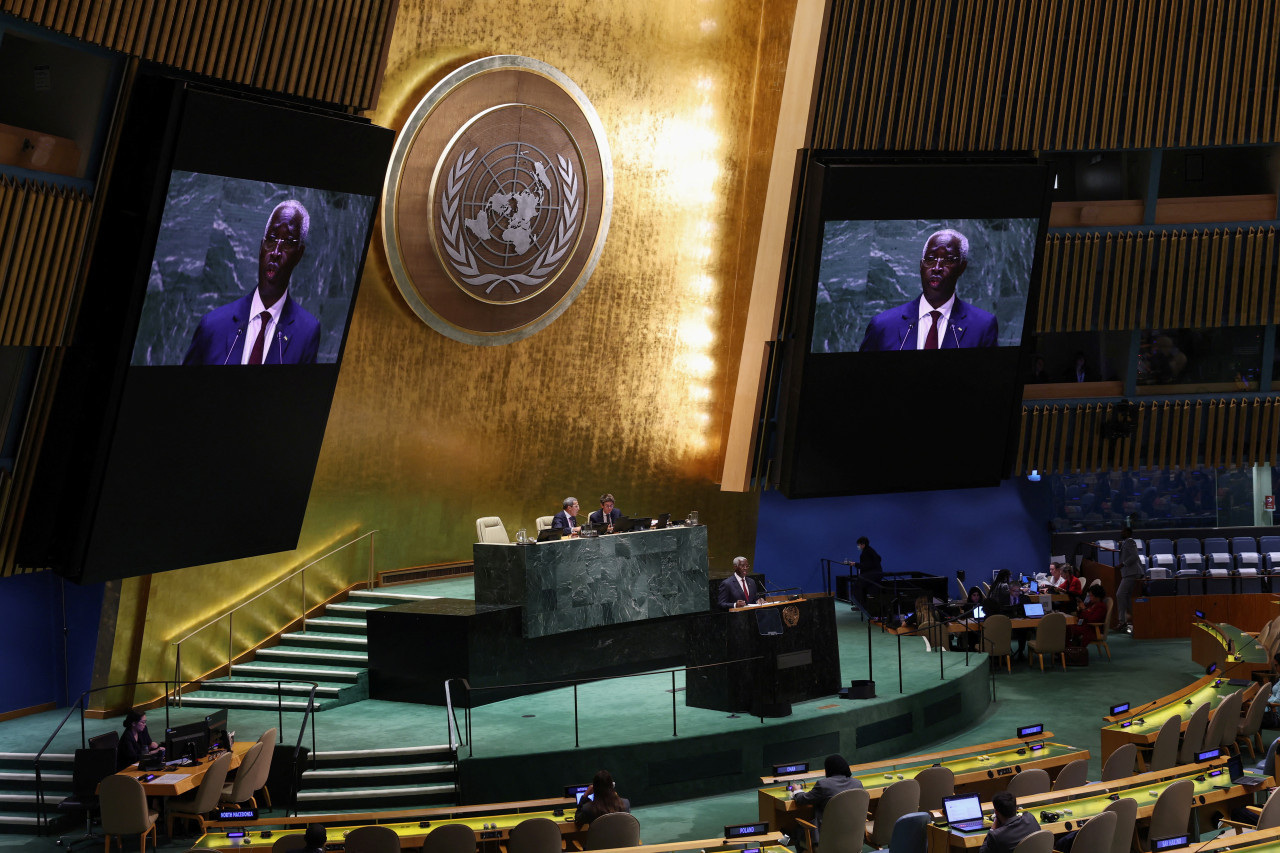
{"points": [[1033, 609], [962, 809]]}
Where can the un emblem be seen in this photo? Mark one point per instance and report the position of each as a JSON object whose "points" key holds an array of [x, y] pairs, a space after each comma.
{"points": [[497, 200]]}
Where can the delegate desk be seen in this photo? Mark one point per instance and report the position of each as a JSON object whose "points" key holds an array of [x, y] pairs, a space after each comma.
{"points": [[408, 824], [1210, 793], [984, 769], [1262, 841], [180, 780], [1210, 689], [802, 662], [572, 584], [1237, 654]]}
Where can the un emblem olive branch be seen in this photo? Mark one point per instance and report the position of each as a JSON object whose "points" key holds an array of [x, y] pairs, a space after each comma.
{"points": [[543, 266]]}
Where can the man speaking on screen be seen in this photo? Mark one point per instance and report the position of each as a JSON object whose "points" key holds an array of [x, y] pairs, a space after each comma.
{"points": [[938, 319], [264, 326]]}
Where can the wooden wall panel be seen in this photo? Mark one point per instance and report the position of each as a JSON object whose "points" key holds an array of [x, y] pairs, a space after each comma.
{"points": [[1048, 75], [325, 50], [1206, 277], [1170, 434]]}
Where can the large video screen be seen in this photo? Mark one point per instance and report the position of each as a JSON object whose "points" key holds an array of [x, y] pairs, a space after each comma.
{"points": [[896, 256], [230, 249], [879, 282]]}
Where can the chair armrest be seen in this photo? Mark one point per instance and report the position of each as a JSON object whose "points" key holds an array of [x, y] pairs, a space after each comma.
{"points": [[809, 830], [1237, 826]]}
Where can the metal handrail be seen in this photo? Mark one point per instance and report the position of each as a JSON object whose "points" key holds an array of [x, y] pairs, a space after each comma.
{"points": [[229, 615], [451, 714]]}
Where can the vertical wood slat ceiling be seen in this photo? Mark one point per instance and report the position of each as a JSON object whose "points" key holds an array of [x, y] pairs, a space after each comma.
{"points": [[1067, 438], [1203, 277], [326, 50], [988, 75]]}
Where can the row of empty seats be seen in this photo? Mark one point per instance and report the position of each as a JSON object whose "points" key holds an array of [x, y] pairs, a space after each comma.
{"points": [[1210, 556]]}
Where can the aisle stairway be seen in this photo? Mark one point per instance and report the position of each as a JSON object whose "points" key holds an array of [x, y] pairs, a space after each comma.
{"points": [[331, 651], [18, 811], [379, 779]]}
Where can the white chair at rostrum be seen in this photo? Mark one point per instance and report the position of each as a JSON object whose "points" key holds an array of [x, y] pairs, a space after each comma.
{"points": [[844, 823], [489, 531]]}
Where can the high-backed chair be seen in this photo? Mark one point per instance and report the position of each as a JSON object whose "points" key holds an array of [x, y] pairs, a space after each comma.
{"points": [[195, 805], [1160, 554], [450, 838], [935, 783], [535, 835], [1193, 734], [1100, 630], [900, 798], [1050, 639], [489, 531], [1269, 548], [616, 829], [909, 833], [844, 823], [1126, 812], [1190, 555], [243, 786], [1098, 834], [1250, 729], [1267, 766], [1106, 552], [125, 812], [1073, 775], [372, 839], [1119, 764], [268, 740], [107, 740], [1029, 782], [997, 638], [1268, 817], [1248, 563], [934, 634], [1224, 723], [1036, 842], [90, 768], [285, 843], [543, 522], [1165, 752], [1172, 812]]}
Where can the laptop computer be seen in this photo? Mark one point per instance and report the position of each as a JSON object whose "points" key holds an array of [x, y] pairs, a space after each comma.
{"points": [[1240, 776], [550, 534], [978, 614], [963, 812], [1033, 610]]}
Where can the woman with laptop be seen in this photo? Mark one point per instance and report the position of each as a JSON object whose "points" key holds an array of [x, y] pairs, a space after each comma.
{"points": [[599, 799]]}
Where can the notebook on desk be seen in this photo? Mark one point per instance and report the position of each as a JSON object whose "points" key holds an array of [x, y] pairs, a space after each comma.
{"points": [[963, 812]]}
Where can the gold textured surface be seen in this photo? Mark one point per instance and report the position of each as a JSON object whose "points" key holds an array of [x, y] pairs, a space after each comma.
{"points": [[626, 392]]}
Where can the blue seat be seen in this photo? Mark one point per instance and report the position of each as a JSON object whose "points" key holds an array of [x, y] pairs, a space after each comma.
{"points": [[1160, 554], [1190, 557], [1269, 548], [909, 833], [1219, 568], [1245, 551]]}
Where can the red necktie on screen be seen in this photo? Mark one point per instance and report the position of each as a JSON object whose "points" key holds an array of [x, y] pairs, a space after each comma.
{"points": [[931, 340], [255, 355]]}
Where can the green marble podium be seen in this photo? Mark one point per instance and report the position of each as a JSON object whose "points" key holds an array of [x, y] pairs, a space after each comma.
{"points": [[575, 584]]}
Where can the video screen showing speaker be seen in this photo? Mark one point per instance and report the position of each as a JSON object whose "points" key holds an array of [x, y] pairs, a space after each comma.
{"points": [[190, 412], [909, 288]]}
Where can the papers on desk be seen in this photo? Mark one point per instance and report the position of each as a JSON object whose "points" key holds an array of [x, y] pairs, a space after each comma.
{"points": [[168, 779]]}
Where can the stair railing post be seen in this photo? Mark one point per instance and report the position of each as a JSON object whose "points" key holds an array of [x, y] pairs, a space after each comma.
{"points": [[231, 617], [303, 617], [372, 537]]}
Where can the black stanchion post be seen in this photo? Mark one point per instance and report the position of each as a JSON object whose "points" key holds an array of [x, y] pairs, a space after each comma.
{"points": [[673, 703], [575, 715]]}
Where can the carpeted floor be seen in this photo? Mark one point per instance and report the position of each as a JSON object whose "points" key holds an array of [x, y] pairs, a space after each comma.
{"points": [[1071, 704]]}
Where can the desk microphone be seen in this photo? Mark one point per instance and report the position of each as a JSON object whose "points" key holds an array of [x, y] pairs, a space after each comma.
{"points": [[231, 349]]}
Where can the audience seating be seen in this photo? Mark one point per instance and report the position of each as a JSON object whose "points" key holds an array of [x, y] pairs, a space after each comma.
{"points": [[1224, 724], [1126, 812], [1269, 548], [1172, 812], [1050, 639], [1190, 555], [1250, 728], [1193, 735], [372, 839], [844, 824], [1119, 763], [1160, 554], [489, 530], [1105, 553], [1164, 753], [909, 833], [900, 798], [618, 829], [535, 835], [997, 638], [935, 783], [241, 789], [1097, 835], [1245, 551], [1100, 630], [1073, 775], [450, 838], [125, 812], [1036, 842], [1029, 782], [201, 801]]}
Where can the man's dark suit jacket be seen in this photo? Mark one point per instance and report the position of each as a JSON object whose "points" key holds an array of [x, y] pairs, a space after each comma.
{"points": [[868, 560], [822, 792], [731, 591], [220, 337], [597, 517], [1004, 838], [896, 329], [564, 521]]}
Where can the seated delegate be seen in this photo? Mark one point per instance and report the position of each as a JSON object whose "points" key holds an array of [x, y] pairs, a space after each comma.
{"points": [[136, 741], [607, 513], [567, 518], [600, 798]]}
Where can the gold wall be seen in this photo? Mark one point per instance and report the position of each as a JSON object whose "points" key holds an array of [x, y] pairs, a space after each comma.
{"points": [[626, 392]]}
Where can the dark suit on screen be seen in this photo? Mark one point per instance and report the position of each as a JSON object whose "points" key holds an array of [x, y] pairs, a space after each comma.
{"points": [[897, 328], [731, 592], [597, 517], [564, 521], [220, 337]]}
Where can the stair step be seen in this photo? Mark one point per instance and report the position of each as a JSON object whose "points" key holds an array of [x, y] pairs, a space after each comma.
{"points": [[359, 759], [385, 752], [324, 638], [26, 821], [338, 624], [301, 671], [210, 699], [376, 793], [388, 596], [353, 609], [333, 776], [320, 655], [266, 686], [28, 777]]}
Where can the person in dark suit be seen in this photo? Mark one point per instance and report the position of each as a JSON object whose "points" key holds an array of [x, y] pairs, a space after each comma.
{"points": [[937, 319], [607, 513], [868, 560], [265, 326], [567, 518], [1007, 826], [839, 779], [738, 589], [135, 741]]}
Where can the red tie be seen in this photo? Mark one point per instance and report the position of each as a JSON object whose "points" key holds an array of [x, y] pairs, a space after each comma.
{"points": [[931, 340], [255, 355], [746, 593]]}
